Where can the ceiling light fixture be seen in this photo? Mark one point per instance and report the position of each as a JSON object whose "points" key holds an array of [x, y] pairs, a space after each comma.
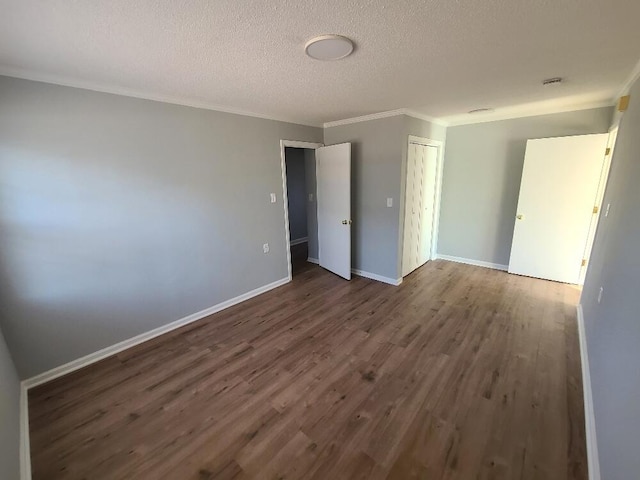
{"points": [[481, 110], [552, 81], [329, 47]]}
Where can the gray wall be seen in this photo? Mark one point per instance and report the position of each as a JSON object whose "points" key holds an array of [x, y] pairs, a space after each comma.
{"points": [[9, 416], [613, 326], [296, 192], [312, 206], [379, 151], [119, 215], [376, 163], [483, 166]]}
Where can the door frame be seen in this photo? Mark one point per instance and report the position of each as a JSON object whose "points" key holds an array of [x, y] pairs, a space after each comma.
{"points": [[427, 142], [285, 197], [602, 184]]}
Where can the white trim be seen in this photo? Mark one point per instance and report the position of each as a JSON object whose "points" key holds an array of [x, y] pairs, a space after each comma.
{"points": [[365, 118], [421, 116], [375, 276], [285, 195], [521, 111], [126, 92], [633, 76], [362, 273], [25, 385], [593, 461], [298, 241], [143, 337], [505, 113], [25, 445], [469, 261], [387, 114]]}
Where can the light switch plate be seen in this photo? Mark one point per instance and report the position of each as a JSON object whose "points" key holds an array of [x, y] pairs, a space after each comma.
{"points": [[389, 202], [265, 248], [311, 197], [273, 198]]}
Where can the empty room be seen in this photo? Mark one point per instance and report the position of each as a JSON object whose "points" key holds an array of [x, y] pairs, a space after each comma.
{"points": [[319, 240]]}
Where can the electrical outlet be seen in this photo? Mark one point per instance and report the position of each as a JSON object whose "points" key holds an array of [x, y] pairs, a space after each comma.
{"points": [[273, 198], [389, 202], [265, 248], [600, 294], [606, 212]]}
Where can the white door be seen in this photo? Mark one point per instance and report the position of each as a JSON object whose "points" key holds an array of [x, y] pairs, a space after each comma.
{"points": [[430, 163], [411, 213], [333, 175], [557, 198], [420, 189]]}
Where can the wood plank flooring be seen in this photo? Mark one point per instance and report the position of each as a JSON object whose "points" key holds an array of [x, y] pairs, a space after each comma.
{"points": [[460, 373]]}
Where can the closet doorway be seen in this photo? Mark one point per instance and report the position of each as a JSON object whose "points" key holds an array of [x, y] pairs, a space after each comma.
{"points": [[420, 207]]}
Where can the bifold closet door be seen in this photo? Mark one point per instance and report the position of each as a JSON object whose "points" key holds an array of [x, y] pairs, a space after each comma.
{"points": [[430, 162]]}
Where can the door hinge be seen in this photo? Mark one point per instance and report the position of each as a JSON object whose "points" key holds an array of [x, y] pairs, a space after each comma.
{"points": [[584, 262], [595, 209], [607, 151], [623, 103]]}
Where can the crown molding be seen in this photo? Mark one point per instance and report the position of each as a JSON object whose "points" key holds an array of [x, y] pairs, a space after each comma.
{"points": [[523, 111], [633, 77], [426, 118], [365, 118], [126, 92], [388, 113]]}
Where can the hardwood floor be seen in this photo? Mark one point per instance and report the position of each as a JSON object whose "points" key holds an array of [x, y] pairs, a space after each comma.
{"points": [[460, 373]]}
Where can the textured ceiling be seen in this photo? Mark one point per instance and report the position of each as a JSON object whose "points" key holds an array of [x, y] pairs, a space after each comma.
{"points": [[441, 58]]}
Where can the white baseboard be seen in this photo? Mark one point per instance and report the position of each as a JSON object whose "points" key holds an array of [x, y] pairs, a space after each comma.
{"points": [[143, 337], [298, 241], [362, 273], [374, 276], [593, 460], [25, 445], [25, 385], [469, 261]]}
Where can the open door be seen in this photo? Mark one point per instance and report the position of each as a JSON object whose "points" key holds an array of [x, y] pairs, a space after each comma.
{"points": [[333, 177], [558, 196]]}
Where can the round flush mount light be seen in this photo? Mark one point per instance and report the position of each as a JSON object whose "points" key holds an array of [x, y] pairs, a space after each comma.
{"points": [[329, 47]]}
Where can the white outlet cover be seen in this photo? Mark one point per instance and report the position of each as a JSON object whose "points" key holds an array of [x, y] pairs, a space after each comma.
{"points": [[600, 294], [273, 198], [265, 248], [389, 202], [606, 213]]}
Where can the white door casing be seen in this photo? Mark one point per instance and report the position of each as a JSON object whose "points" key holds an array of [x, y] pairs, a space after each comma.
{"points": [[333, 174], [285, 196], [606, 166], [555, 207]]}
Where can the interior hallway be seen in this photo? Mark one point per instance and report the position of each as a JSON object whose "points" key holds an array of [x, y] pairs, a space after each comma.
{"points": [[461, 372]]}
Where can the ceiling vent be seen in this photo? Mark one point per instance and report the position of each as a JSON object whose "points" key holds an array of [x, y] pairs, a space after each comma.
{"points": [[481, 110], [552, 81]]}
